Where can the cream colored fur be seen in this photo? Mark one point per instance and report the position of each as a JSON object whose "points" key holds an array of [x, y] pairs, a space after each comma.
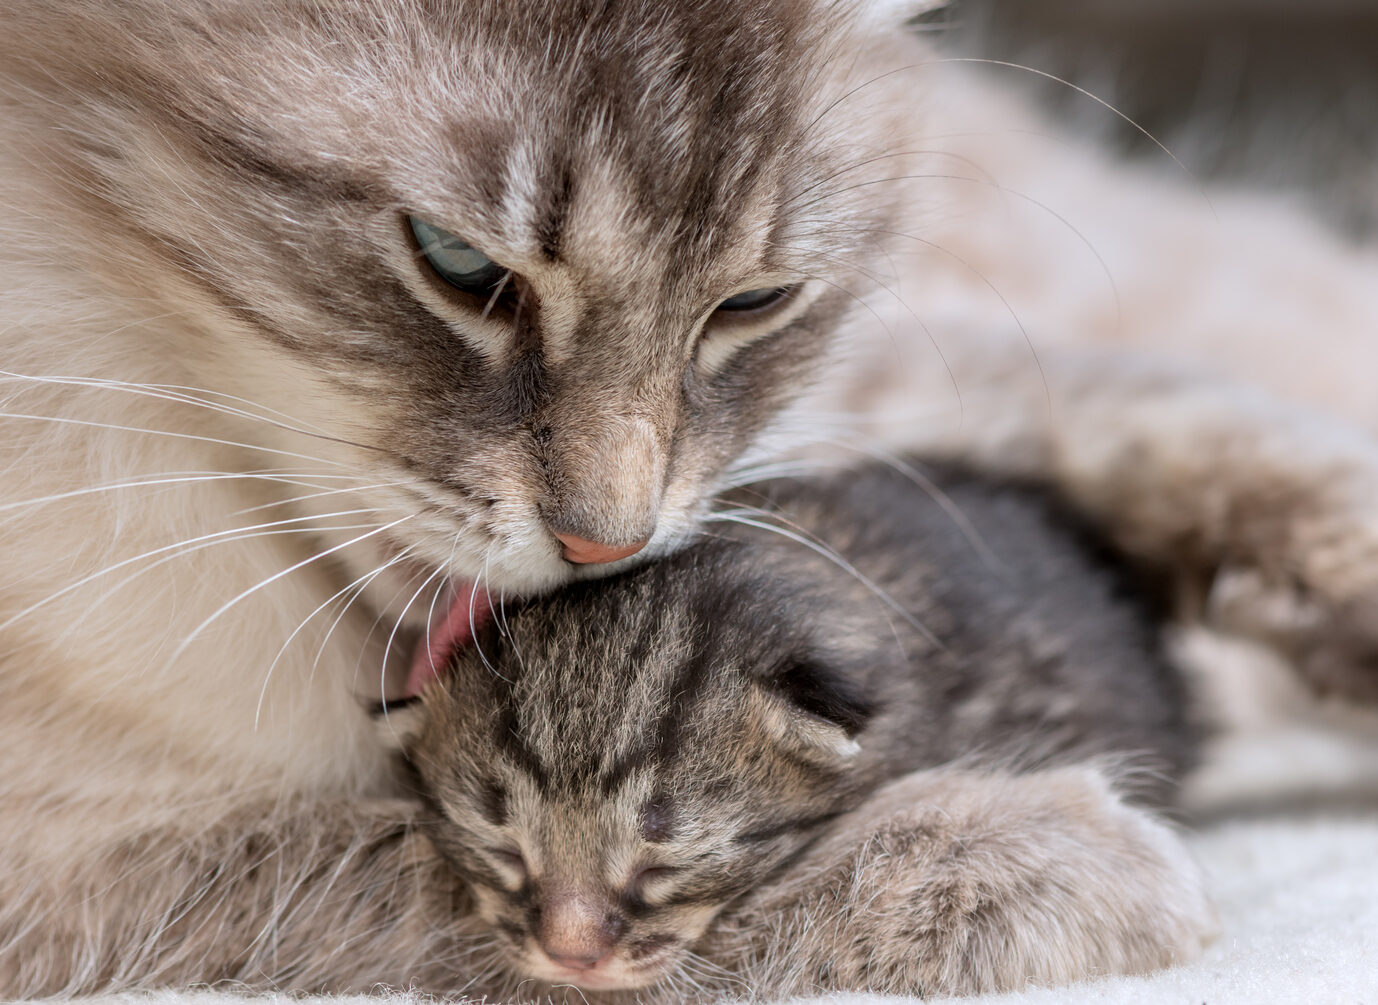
{"points": [[141, 754]]}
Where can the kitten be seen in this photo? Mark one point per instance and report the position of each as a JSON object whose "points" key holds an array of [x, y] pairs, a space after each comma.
{"points": [[274, 403], [612, 766]]}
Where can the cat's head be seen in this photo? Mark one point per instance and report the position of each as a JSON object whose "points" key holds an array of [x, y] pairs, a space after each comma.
{"points": [[523, 270], [613, 764]]}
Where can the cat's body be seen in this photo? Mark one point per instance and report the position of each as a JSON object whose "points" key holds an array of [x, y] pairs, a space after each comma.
{"points": [[613, 766], [252, 446]]}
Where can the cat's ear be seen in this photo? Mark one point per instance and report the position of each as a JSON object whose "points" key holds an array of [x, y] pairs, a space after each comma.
{"points": [[812, 710]]}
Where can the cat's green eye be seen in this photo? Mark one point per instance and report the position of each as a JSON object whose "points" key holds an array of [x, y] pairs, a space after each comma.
{"points": [[457, 261], [755, 300]]}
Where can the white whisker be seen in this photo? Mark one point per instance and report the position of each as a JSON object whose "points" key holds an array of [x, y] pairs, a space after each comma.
{"points": [[359, 583], [320, 650], [736, 516], [62, 420], [171, 479], [161, 392], [274, 578], [289, 500], [181, 548], [397, 625]]}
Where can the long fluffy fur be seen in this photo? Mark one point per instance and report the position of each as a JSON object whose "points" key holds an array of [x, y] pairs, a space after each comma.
{"points": [[212, 680]]}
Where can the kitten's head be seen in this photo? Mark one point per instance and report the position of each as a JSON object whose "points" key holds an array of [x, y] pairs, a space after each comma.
{"points": [[613, 764], [532, 269]]}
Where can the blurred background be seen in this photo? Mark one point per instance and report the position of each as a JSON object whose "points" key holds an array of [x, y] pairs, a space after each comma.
{"points": [[1281, 94]]}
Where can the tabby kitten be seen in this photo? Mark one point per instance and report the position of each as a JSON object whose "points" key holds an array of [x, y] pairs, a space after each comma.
{"points": [[610, 767]]}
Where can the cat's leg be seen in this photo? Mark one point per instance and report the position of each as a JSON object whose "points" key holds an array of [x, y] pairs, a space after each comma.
{"points": [[1264, 512], [320, 895], [950, 882]]}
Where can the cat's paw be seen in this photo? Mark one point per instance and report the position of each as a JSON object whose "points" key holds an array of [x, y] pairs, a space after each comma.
{"points": [[1323, 620], [964, 883]]}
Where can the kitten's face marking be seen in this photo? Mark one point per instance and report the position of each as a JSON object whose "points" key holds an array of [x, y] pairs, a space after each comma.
{"points": [[602, 834], [661, 206]]}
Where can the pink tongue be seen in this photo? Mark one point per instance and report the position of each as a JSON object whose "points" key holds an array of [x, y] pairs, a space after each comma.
{"points": [[470, 610]]}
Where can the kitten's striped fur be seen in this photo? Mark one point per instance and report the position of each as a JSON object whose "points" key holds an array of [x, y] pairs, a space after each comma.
{"points": [[615, 765]]}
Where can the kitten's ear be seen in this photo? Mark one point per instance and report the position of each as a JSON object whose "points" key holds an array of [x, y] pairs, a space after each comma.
{"points": [[398, 722], [806, 735], [812, 710]]}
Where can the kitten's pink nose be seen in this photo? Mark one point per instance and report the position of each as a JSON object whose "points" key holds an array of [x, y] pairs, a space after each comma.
{"points": [[577, 931], [582, 551], [586, 961]]}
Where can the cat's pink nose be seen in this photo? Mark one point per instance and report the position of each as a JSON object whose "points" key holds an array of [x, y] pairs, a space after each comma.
{"points": [[582, 551]]}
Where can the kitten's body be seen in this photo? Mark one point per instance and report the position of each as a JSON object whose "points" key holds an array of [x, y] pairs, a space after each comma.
{"points": [[210, 321], [617, 763]]}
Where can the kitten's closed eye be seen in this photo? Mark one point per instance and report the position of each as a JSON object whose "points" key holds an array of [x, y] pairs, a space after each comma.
{"points": [[650, 880], [512, 863]]}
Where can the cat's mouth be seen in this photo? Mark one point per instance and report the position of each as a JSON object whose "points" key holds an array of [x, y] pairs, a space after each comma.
{"points": [[466, 608]]}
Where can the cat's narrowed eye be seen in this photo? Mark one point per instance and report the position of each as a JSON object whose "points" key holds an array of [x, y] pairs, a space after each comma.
{"points": [[755, 300], [456, 261]]}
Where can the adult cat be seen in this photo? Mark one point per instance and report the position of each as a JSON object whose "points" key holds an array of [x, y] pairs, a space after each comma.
{"points": [[314, 314]]}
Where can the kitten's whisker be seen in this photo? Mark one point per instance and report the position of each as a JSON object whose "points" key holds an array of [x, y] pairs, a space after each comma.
{"points": [[195, 632], [708, 966]]}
